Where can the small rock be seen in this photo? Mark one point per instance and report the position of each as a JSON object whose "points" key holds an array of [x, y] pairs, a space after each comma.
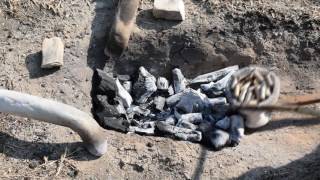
{"points": [[179, 82], [162, 83], [52, 53], [169, 9], [219, 138], [223, 123]]}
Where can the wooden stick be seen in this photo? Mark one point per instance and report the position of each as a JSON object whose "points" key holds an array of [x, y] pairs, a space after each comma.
{"points": [[50, 111], [282, 108]]}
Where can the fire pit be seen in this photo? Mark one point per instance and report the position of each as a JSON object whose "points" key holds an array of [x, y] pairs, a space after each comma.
{"points": [[194, 110]]}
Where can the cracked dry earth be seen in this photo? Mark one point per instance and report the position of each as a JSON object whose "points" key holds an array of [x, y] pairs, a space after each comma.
{"points": [[280, 35]]}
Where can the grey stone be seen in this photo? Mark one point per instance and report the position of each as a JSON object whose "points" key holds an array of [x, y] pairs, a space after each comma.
{"points": [[144, 87], [169, 9], [179, 81]]}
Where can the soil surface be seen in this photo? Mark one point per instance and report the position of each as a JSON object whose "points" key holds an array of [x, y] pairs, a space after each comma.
{"points": [[282, 35]]}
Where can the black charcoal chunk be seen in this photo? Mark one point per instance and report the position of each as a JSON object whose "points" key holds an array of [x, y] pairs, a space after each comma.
{"points": [[162, 83], [174, 99], [137, 110], [219, 138], [123, 94], [170, 90], [180, 133], [194, 118], [223, 123], [116, 123], [219, 85], [108, 83], [144, 87], [214, 76], [170, 120], [187, 125], [107, 109], [236, 129], [212, 102], [147, 128], [127, 85], [192, 101], [161, 116], [179, 81], [123, 77], [159, 102]]}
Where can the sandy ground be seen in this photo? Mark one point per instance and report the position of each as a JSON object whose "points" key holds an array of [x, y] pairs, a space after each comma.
{"points": [[281, 35]]}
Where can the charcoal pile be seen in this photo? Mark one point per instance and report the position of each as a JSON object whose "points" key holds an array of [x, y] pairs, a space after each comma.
{"points": [[188, 109]]}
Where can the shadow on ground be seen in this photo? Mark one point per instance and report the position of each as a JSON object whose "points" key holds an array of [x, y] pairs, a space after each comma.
{"points": [[33, 63], [304, 168], [20, 149]]}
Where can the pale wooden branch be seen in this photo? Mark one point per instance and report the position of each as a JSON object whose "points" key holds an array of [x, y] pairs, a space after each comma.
{"points": [[50, 111]]}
